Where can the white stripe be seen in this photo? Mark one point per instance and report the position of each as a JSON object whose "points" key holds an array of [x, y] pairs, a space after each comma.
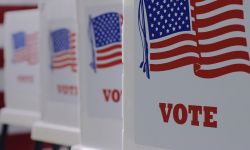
{"points": [[174, 46], [224, 64], [220, 11], [222, 37], [171, 36], [221, 24], [168, 60], [63, 57], [205, 2], [109, 60], [224, 50], [109, 52]]}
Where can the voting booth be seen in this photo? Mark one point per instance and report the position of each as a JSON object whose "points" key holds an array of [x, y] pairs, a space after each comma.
{"points": [[100, 44], [59, 122], [21, 75], [186, 75]]}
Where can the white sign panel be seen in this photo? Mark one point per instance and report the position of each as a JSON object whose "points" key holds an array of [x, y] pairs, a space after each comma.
{"points": [[105, 59], [22, 60], [60, 105], [190, 76], [59, 64], [101, 68], [1, 36]]}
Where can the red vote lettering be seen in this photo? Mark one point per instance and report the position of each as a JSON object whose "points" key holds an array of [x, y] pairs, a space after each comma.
{"points": [[115, 95], [184, 114], [67, 90], [195, 110], [180, 114], [25, 78], [209, 117], [106, 94], [165, 115]]}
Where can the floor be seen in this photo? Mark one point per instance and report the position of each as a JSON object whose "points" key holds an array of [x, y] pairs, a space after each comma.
{"points": [[23, 142]]}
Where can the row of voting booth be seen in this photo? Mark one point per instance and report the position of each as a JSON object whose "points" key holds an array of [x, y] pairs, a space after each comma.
{"points": [[131, 75]]}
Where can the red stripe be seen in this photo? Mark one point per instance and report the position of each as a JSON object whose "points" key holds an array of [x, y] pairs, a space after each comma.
{"points": [[63, 60], [26, 55], [224, 57], [173, 52], [109, 48], [72, 46], [72, 40], [238, 41], [219, 18], [223, 71], [116, 54], [72, 34], [215, 5], [174, 64], [111, 64], [192, 2], [220, 31], [74, 68], [173, 40]]}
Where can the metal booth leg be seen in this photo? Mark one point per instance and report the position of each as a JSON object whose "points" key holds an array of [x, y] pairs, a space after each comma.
{"points": [[55, 147], [3, 136], [38, 145]]}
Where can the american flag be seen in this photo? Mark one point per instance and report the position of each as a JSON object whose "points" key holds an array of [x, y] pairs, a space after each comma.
{"points": [[64, 49], [208, 34], [25, 47], [105, 36]]}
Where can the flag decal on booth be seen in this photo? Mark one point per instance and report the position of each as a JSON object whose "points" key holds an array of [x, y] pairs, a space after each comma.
{"points": [[63, 49], [105, 38], [210, 35], [25, 48]]}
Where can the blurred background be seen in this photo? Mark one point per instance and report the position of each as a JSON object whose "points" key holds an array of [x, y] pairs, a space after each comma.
{"points": [[17, 138]]}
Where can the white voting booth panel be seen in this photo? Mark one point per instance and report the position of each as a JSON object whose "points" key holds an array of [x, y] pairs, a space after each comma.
{"points": [[1, 36], [1, 46], [186, 75], [59, 122], [100, 24], [22, 83]]}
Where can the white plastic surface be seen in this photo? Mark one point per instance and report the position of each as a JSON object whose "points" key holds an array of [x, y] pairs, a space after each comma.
{"points": [[60, 123], [17, 117], [230, 93], [54, 133], [1, 36], [101, 128], [80, 147], [22, 101]]}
